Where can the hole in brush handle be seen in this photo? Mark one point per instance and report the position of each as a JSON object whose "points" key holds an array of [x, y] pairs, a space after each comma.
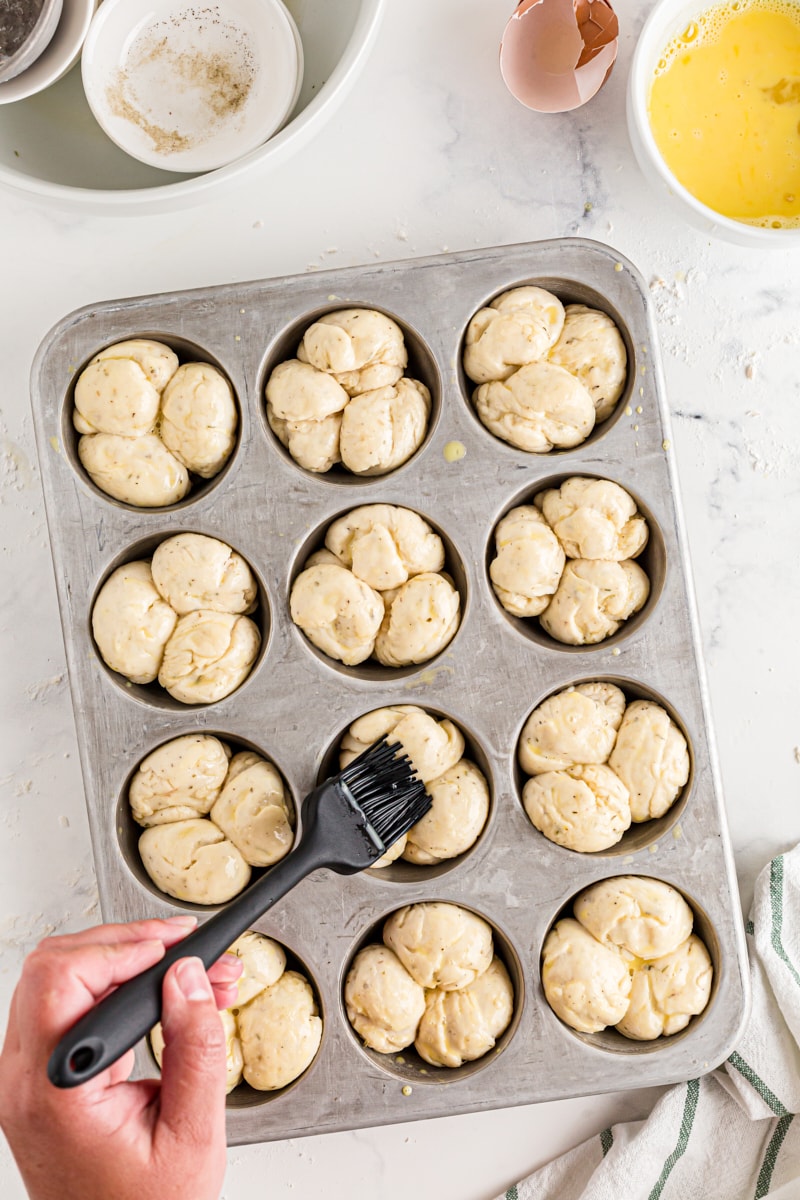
{"points": [[70, 1066]]}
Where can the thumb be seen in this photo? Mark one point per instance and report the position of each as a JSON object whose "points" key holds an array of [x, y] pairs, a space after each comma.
{"points": [[192, 1106]]}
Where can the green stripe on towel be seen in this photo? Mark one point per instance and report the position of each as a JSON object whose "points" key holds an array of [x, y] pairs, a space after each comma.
{"points": [[687, 1121], [606, 1141], [776, 901], [749, 927], [757, 1082], [512, 1193], [771, 1156]]}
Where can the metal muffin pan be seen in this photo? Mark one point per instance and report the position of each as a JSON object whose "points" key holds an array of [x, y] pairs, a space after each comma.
{"points": [[296, 704]]}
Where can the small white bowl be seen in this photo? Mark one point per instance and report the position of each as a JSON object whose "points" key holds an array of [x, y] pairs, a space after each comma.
{"points": [[37, 41], [191, 86], [61, 54], [667, 20]]}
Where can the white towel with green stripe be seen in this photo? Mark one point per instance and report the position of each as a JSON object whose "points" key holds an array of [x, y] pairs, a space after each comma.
{"points": [[732, 1134]]}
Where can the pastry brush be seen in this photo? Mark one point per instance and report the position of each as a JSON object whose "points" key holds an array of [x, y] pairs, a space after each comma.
{"points": [[349, 822]]}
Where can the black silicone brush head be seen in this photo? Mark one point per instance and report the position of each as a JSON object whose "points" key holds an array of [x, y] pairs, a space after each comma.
{"points": [[385, 786]]}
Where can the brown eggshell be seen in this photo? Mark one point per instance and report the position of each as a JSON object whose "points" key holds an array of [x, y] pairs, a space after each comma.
{"points": [[556, 54]]}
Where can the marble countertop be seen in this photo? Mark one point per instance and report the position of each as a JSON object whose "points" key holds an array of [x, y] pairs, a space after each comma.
{"points": [[428, 153]]}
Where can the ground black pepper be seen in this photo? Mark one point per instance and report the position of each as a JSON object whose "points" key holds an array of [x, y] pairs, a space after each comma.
{"points": [[17, 22]]}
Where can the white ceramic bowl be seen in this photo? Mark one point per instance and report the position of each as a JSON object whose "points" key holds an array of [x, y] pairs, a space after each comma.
{"points": [[669, 18], [37, 41], [62, 53], [52, 147], [190, 87]]}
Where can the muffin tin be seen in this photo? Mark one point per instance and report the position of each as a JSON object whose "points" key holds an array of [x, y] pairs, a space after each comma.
{"points": [[296, 704]]}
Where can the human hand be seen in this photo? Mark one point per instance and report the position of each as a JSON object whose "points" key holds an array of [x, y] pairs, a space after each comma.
{"points": [[111, 1137]]}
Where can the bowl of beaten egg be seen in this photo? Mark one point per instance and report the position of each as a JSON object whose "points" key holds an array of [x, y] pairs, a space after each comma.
{"points": [[713, 113]]}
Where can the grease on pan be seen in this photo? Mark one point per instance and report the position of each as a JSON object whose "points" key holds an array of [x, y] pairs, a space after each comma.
{"points": [[556, 54]]}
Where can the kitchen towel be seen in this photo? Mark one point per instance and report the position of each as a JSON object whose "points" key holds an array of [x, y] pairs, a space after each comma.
{"points": [[733, 1134]]}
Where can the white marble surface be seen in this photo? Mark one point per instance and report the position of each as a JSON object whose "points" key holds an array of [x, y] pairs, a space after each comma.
{"points": [[428, 153]]}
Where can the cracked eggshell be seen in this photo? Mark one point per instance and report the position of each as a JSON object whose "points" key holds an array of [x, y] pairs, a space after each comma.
{"points": [[595, 519], [178, 780], [667, 992], [194, 571], [556, 54], [199, 418], [583, 808], [528, 564], [336, 611], [208, 656], [193, 861], [651, 757], [458, 1027], [385, 545], [440, 945], [135, 470], [384, 1004], [131, 623], [586, 984], [573, 727], [643, 916]]}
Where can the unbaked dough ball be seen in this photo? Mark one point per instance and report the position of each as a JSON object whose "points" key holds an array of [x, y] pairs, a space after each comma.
{"points": [[381, 429], [131, 623], [233, 1049], [432, 745], [263, 962], [518, 327], [193, 571], [645, 917], [590, 346], [254, 811], [592, 600], [384, 1004], [208, 656], [116, 395], [297, 391], [458, 814], [541, 407], [312, 444], [420, 621], [158, 362], [199, 418], [179, 780], [576, 726], [582, 808], [280, 1032], [667, 992], [594, 518], [587, 985], [528, 564], [651, 758], [363, 349], [440, 945], [384, 545], [134, 470], [193, 861], [460, 1026], [336, 611]]}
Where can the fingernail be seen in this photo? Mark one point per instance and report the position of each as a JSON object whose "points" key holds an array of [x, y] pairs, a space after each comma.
{"points": [[184, 922], [192, 979]]}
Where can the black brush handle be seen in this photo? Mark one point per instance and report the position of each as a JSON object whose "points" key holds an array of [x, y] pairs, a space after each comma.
{"points": [[127, 1014]]}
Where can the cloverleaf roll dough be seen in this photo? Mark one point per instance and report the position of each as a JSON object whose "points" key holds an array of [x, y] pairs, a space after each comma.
{"points": [[233, 1049], [254, 811], [571, 728], [517, 327], [199, 418], [297, 391], [528, 564], [361, 348], [594, 518], [135, 470], [280, 1031], [384, 1004], [585, 808], [539, 408], [651, 757], [381, 429], [642, 916], [590, 347], [193, 861], [460, 1026], [440, 945], [179, 780], [158, 362], [421, 620], [587, 985], [131, 623], [459, 812], [263, 962], [432, 745], [667, 992], [312, 444], [592, 600], [115, 395], [208, 656], [336, 611], [385, 545], [193, 571]]}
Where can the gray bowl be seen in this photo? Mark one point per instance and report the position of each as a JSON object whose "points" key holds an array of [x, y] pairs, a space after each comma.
{"points": [[35, 42]]}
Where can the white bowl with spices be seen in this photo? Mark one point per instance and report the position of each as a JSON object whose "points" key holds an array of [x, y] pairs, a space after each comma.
{"points": [[191, 87]]}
